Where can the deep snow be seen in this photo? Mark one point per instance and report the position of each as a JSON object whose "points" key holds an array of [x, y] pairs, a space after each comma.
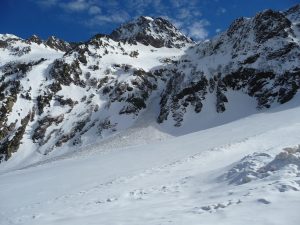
{"points": [[241, 166], [235, 173]]}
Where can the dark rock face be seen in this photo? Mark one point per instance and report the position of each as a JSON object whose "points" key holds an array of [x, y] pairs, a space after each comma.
{"points": [[236, 26], [67, 101], [43, 101], [293, 14], [43, 125], [133, 94], [35, 39], [178, 96], [221, 98], [247, 71], [58, 44], [253, 83], [270, 24], [290, 84], [251, 59], [3, 44], [11, 144], [66, 74], [283, 51], [19, 68], [52, 42], [155, 32], [11, 89]]}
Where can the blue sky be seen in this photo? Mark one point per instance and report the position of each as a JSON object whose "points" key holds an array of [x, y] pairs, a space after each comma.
{"points": [[78, 20]]}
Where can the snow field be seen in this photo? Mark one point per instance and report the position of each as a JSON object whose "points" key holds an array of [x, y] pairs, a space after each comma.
{"points": [[224, 175]]}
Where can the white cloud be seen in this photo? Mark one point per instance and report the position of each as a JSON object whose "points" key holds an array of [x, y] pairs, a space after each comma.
{"points": [[197, 30], [177, 3], [183, 13], [94, 10], [138, 7], [72, 6], [221, 11], [218, 30], [196, 13], [76, 6], [188, 13], [117, 17], [177, 23]]}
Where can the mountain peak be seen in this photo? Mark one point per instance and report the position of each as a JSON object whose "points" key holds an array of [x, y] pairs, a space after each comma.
{"points": [[145, 19], [36, 39], [293, 13], [4, 37], [58, 44], [269, 24], [157, 32]]}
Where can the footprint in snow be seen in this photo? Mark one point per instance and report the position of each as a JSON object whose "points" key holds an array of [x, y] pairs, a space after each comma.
{"points": [[214, 207], [263, 201]]}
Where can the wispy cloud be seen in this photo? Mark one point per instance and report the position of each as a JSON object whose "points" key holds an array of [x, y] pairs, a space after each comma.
{"points": [[188, 17], [221, 11], [93, 10], [76, 6], [198, 30], [69, 6], [97, 20], [184, 14]]}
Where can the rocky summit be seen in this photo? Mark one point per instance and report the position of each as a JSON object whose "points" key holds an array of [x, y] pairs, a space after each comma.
{"points": [[57, 96]]}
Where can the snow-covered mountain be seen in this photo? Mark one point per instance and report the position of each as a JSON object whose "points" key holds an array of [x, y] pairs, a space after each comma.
{"points": [[144, 126], [156, 32], [57, 97]]}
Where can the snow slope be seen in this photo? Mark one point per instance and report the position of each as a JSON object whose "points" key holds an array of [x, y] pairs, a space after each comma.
{"points": [[236, 173], [143, 126]]}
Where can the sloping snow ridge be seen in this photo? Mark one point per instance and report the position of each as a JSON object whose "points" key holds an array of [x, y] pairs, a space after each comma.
{"points": [[144, 126]]}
